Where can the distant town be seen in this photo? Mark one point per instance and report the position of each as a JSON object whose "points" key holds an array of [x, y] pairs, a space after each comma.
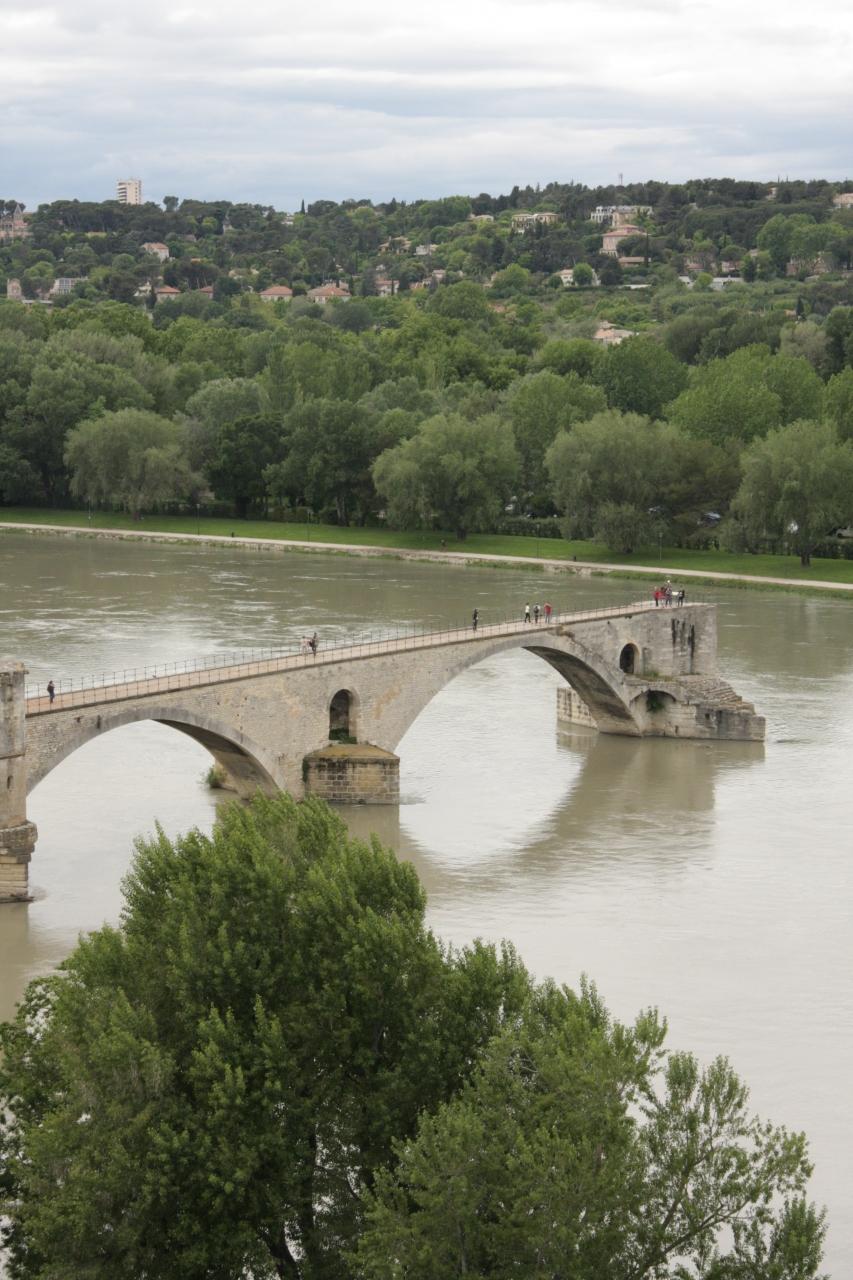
{"points": [[707, 234]]}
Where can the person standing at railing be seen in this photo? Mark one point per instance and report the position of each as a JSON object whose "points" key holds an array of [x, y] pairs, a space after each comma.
{"points": [[51, 691], [536, 612], [548, 611], [312, 644], [475, 618]]}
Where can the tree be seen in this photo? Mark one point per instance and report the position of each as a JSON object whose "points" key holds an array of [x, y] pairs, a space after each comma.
{"points": [[18, 480], [729, 399], [66, 387], [797, 486], [241, 452], [623, 479], [208, 1090], [454, 471], [640, 376], [839, 338], [131, 457], [170, 203], [570, 355], [838, 402], [540, 407], [214, 406], [580, 1149], [328, 458], [582, 275]]}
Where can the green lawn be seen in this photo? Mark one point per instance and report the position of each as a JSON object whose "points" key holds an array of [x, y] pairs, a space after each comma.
{"points": [[484, 543]]}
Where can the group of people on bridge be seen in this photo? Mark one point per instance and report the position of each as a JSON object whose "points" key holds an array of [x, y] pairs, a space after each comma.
{"points": [[539, 611], [667, 595]]}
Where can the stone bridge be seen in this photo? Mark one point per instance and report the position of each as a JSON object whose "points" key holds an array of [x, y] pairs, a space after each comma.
{"points": [[329, 723]]}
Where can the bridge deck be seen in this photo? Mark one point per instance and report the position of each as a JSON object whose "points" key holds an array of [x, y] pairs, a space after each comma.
{"points": [[93, 691]]}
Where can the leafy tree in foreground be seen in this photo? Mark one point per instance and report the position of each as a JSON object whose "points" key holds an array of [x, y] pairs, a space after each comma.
{"points": [[453, 471], [580, 1151], [797, 486], [206, 1092]]}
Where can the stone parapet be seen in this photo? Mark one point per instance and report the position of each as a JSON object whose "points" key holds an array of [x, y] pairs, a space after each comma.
{"points": [[353, 774]]}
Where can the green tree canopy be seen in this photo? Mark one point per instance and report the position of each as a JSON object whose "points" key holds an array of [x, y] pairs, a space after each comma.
{"points": [[579, 1149], [457, 472], [540, 406], [797, 487], [132, 457], [241, 452], [838, 402], [623, 479], [208, 1090], [729, 399], [641, 376]]}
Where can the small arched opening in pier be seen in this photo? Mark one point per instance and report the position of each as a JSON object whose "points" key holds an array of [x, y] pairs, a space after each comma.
{"points": [[629, 659], [342, 726]]}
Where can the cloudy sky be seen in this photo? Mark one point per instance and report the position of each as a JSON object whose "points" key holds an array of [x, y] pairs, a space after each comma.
{"points": [[274, 101]]}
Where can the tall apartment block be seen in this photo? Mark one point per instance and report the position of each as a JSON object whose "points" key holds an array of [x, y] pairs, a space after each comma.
{"points": [[129, 191]]}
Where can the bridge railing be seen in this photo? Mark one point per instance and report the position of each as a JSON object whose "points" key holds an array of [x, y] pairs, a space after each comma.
{"points": [[73, 691]]}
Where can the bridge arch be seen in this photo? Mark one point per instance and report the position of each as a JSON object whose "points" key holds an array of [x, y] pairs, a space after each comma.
{"points": [[600, 684], [246, 764]]}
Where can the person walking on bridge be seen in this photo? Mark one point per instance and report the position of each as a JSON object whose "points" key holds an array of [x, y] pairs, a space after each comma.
{"points": [[536, 612], [548, 611], [51, 692], [312, 644], [527, 613], [475, 618]]}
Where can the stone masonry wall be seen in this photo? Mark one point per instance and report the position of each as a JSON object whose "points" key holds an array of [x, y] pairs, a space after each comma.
{"points": [[353, 775]]}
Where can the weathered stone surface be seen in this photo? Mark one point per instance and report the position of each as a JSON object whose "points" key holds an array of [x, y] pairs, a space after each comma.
{"points": [[571, 708], [352, 774]]}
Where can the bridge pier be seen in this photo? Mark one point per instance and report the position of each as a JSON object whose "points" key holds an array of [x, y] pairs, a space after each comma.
{"points": [[17, 835]]}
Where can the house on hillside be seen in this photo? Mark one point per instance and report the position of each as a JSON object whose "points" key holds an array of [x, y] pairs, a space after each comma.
{"points": [[14, 290], [386, 287], [157, 249], [608, 335], [617, 215], [165, 292], [844, 200], [328, 293], [567, 275], [276, 293], [63, 285], [611, 239], [524, 222], [14, 225]]}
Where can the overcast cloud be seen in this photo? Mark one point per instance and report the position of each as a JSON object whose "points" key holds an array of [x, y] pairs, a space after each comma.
{"points": [[275, 102]]}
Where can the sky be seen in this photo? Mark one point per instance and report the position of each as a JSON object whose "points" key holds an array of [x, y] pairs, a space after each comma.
{"points": [[273, 101]]}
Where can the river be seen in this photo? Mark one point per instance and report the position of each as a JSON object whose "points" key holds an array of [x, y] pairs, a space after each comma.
{"points": [[712, 880]]}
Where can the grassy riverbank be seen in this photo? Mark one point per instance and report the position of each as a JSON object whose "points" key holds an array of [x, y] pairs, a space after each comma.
{"points": [[668, 558]]}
